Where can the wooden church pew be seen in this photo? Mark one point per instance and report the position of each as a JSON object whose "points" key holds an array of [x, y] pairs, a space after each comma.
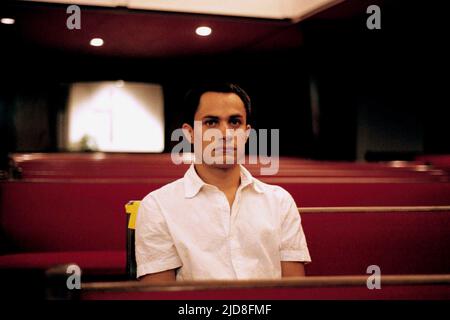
{"points": [[402, 287]]}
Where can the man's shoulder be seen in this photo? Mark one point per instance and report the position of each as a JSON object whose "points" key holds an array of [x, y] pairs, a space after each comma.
{"points": [[276, 195], [169, 191], [273, 190]]}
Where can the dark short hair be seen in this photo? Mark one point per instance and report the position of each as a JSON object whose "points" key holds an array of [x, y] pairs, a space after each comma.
{"points": [[192, 99]]}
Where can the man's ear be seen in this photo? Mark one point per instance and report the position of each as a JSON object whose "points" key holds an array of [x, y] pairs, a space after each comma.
{"points": [[247, 132], [188, 132]]}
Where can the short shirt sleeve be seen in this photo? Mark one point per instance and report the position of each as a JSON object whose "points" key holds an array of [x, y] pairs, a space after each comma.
{"points": [[293, 240], [154, 246]]}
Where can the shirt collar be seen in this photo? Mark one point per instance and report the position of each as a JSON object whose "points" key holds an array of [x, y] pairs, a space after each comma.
{"points": [[193, 183]]}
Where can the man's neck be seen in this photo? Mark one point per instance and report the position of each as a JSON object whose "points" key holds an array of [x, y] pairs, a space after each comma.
{"points": [[223, 178]]}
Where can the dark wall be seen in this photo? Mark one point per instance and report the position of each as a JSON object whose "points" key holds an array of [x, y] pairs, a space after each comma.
{"points": [[277, 82], [381, 91]]}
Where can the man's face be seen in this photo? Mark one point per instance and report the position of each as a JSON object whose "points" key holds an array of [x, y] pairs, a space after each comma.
{"points": [[222, 128]]}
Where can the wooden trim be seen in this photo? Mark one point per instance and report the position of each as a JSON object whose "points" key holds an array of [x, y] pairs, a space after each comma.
{"points": [[306, 282], [374, 209]]}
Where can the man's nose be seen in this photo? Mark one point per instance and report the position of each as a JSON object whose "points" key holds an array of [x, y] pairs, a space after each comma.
{"points": [[223, 126], [226, 130]]}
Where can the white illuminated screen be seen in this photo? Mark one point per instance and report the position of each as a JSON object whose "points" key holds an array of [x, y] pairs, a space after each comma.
{"points": [[116, 116]]}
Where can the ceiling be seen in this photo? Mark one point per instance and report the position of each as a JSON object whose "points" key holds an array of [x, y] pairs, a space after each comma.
{"points": [[271, 9], [148, 33]]}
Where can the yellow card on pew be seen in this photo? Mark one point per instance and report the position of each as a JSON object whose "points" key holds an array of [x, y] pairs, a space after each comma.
{"points": [[131, 208]]}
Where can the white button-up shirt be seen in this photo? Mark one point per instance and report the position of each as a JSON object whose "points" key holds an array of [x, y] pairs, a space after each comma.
{"points": [[188, 224]]}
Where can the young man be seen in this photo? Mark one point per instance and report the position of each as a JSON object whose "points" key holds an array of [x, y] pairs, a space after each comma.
{"points": [[219, 222]]}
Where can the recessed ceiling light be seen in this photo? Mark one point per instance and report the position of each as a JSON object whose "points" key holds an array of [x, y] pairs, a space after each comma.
{"points": [[7, 20], [203, 31], [96, 42]]}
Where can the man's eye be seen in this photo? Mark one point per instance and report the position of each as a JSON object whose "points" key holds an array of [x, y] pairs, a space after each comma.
{"points": [[235, 122]]}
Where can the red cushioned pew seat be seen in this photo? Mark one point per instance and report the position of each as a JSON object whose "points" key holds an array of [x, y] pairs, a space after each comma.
{"points": [[93, 263], [345, 243], [77, 217]]}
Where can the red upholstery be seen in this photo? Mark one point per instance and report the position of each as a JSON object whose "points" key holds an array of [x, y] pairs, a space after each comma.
{"points": [[91, 262], [368, 194], [59, 216], [340, 243], [67, 216], [399, 243], [55, 216]]}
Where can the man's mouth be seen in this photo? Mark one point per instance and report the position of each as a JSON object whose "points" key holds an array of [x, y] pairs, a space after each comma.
{"points": [[226, 150]]}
